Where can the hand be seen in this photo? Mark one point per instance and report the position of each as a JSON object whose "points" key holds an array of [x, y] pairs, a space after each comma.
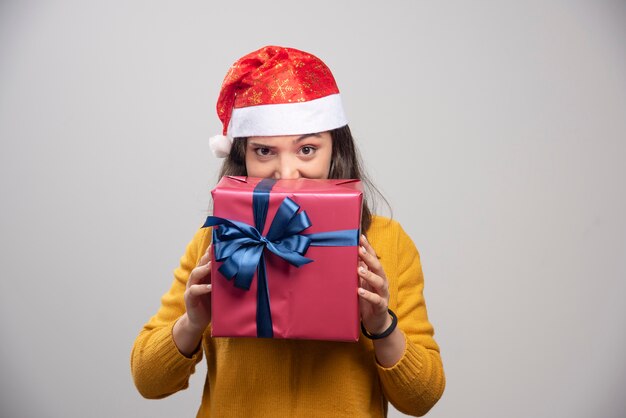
{"points": [[197, 298], [373, 290]]}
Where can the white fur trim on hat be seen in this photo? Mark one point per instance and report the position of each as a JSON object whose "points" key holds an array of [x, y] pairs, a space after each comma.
{"points": [[298, 118], [221, 145]]}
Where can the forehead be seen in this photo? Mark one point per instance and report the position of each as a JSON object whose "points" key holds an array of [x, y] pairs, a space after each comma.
{"points": [[286, 140]]}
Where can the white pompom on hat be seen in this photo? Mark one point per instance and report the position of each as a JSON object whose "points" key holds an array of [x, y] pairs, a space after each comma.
{"points": [[220, 145], [276, 91]]}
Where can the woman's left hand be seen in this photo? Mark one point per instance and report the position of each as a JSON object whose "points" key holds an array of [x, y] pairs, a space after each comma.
{"points": [[373, 290]]}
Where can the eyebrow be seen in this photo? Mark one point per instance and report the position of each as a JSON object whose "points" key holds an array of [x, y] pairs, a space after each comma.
{"points": [[295, 141], [305, 136]]}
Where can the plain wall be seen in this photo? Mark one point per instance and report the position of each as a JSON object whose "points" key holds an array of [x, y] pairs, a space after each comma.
{"points": [[497, 131]]}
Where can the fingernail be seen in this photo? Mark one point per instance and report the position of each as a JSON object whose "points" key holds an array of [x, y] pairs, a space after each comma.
{"points": [[363, 250], [208, 286], [363, 236], [361, 291], [362, 270]]}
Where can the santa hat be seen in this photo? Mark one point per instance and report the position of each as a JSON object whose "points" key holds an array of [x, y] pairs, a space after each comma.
{"points": [[276, 91]]}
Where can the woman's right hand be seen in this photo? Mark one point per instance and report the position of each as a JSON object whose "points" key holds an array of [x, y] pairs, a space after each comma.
{"points": [[188, 330], [197, 299]]}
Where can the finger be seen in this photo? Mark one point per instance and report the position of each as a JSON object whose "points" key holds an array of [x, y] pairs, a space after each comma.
{"points": [[365, 243], [201, 274], [368, 256], [364, 285], [206, 257], [377, 283], [374, 299], [199, 289]]}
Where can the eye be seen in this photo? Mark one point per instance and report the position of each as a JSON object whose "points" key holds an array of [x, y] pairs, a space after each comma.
{"points": [[262, 151], [307, 150]]}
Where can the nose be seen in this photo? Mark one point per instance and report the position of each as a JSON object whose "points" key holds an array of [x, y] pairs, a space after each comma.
{"points": [[287, 169]]}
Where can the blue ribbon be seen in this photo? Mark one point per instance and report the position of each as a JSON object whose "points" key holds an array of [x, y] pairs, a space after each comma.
{"points": [[241, 246]]}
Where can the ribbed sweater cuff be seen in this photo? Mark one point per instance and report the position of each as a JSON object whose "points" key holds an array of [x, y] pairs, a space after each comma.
{"points": [[173, 359], [404, 372]]}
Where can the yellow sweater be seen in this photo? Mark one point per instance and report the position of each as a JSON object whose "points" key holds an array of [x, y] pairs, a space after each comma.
{"points": [[249, 377]]}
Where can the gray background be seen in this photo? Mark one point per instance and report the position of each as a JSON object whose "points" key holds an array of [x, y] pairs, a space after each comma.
{"points": [[497, 131]]}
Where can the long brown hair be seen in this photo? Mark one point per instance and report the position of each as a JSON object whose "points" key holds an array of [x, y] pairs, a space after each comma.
{"points": [[345, 164]]}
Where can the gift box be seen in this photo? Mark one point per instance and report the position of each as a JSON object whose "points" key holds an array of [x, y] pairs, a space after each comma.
{"points": [[285, 257]]}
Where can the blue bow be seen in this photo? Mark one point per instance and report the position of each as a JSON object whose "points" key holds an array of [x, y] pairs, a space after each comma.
{"points": [[240, 246]]}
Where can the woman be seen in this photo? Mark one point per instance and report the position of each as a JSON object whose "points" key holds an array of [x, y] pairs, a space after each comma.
{"points": [[283, 108]]}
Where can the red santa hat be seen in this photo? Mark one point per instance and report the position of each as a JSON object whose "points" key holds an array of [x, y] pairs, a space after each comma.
{"points": [[276, 91]]}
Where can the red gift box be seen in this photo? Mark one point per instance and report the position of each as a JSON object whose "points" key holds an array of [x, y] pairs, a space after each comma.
{"points": [[285, 258]]}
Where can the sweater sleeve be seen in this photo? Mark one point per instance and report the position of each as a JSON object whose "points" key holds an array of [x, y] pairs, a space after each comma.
{"points": [[416, 382], [159, 369]]}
